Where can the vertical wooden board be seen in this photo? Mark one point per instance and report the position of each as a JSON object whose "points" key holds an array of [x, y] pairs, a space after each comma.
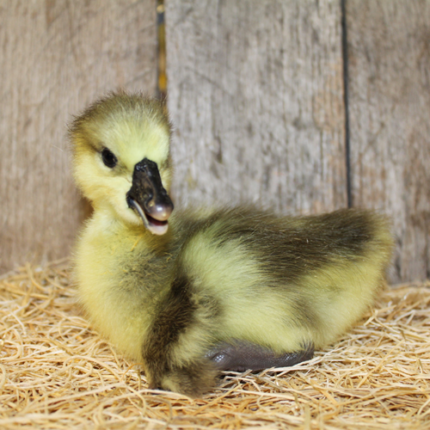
{"points": [[56, 56], [389, 82], [255, 93]]}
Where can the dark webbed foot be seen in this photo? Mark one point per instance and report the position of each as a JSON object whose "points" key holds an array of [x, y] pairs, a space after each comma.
{"points": [[240, 356]]}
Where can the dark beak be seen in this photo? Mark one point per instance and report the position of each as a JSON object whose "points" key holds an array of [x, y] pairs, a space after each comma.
{"points": [[148, 197]]}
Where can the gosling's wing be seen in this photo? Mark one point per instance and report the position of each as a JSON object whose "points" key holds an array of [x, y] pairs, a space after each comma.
{"points": [[283, 282]]}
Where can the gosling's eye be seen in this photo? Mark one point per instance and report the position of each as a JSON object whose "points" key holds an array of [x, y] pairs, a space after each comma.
{"points": [[109, 158]]}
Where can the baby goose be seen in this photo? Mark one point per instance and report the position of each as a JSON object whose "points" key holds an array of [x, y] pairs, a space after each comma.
{"points": [[191, 293]]}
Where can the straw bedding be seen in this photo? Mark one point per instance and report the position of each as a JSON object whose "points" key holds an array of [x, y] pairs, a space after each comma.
{"points": [[57, 373]]}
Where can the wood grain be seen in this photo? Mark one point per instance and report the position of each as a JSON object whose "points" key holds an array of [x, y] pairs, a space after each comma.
{"points": [[255, 93], [389, 82], [256, 98], [56, 56]]}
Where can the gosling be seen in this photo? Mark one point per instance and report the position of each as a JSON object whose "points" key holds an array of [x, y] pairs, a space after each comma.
{"points": [[190, 293]]}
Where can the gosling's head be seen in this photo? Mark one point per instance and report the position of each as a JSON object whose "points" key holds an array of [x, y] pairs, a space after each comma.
{"points": [[122, 159]]}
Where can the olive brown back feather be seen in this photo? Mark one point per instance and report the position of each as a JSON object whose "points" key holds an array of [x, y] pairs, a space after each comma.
{"points": [[189, 293]]}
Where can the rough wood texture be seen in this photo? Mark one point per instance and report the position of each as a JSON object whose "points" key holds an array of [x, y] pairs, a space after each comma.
{"points": [[56, 56], [389, 82], [255, 92]]}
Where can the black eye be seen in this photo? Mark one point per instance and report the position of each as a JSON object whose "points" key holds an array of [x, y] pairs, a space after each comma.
{"points": [[109, 158]]}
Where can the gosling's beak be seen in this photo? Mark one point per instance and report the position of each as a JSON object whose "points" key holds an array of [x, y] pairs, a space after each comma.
{"points": [[148, 197]]}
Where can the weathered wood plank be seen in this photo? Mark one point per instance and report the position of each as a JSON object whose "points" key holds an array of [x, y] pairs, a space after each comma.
{"points": [[56, 56], [255, 92], [389, 82]]}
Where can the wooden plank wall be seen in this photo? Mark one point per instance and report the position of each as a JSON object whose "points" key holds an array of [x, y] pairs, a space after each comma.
{"points": [[56, 56], [256, 93], [389, 105]]}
